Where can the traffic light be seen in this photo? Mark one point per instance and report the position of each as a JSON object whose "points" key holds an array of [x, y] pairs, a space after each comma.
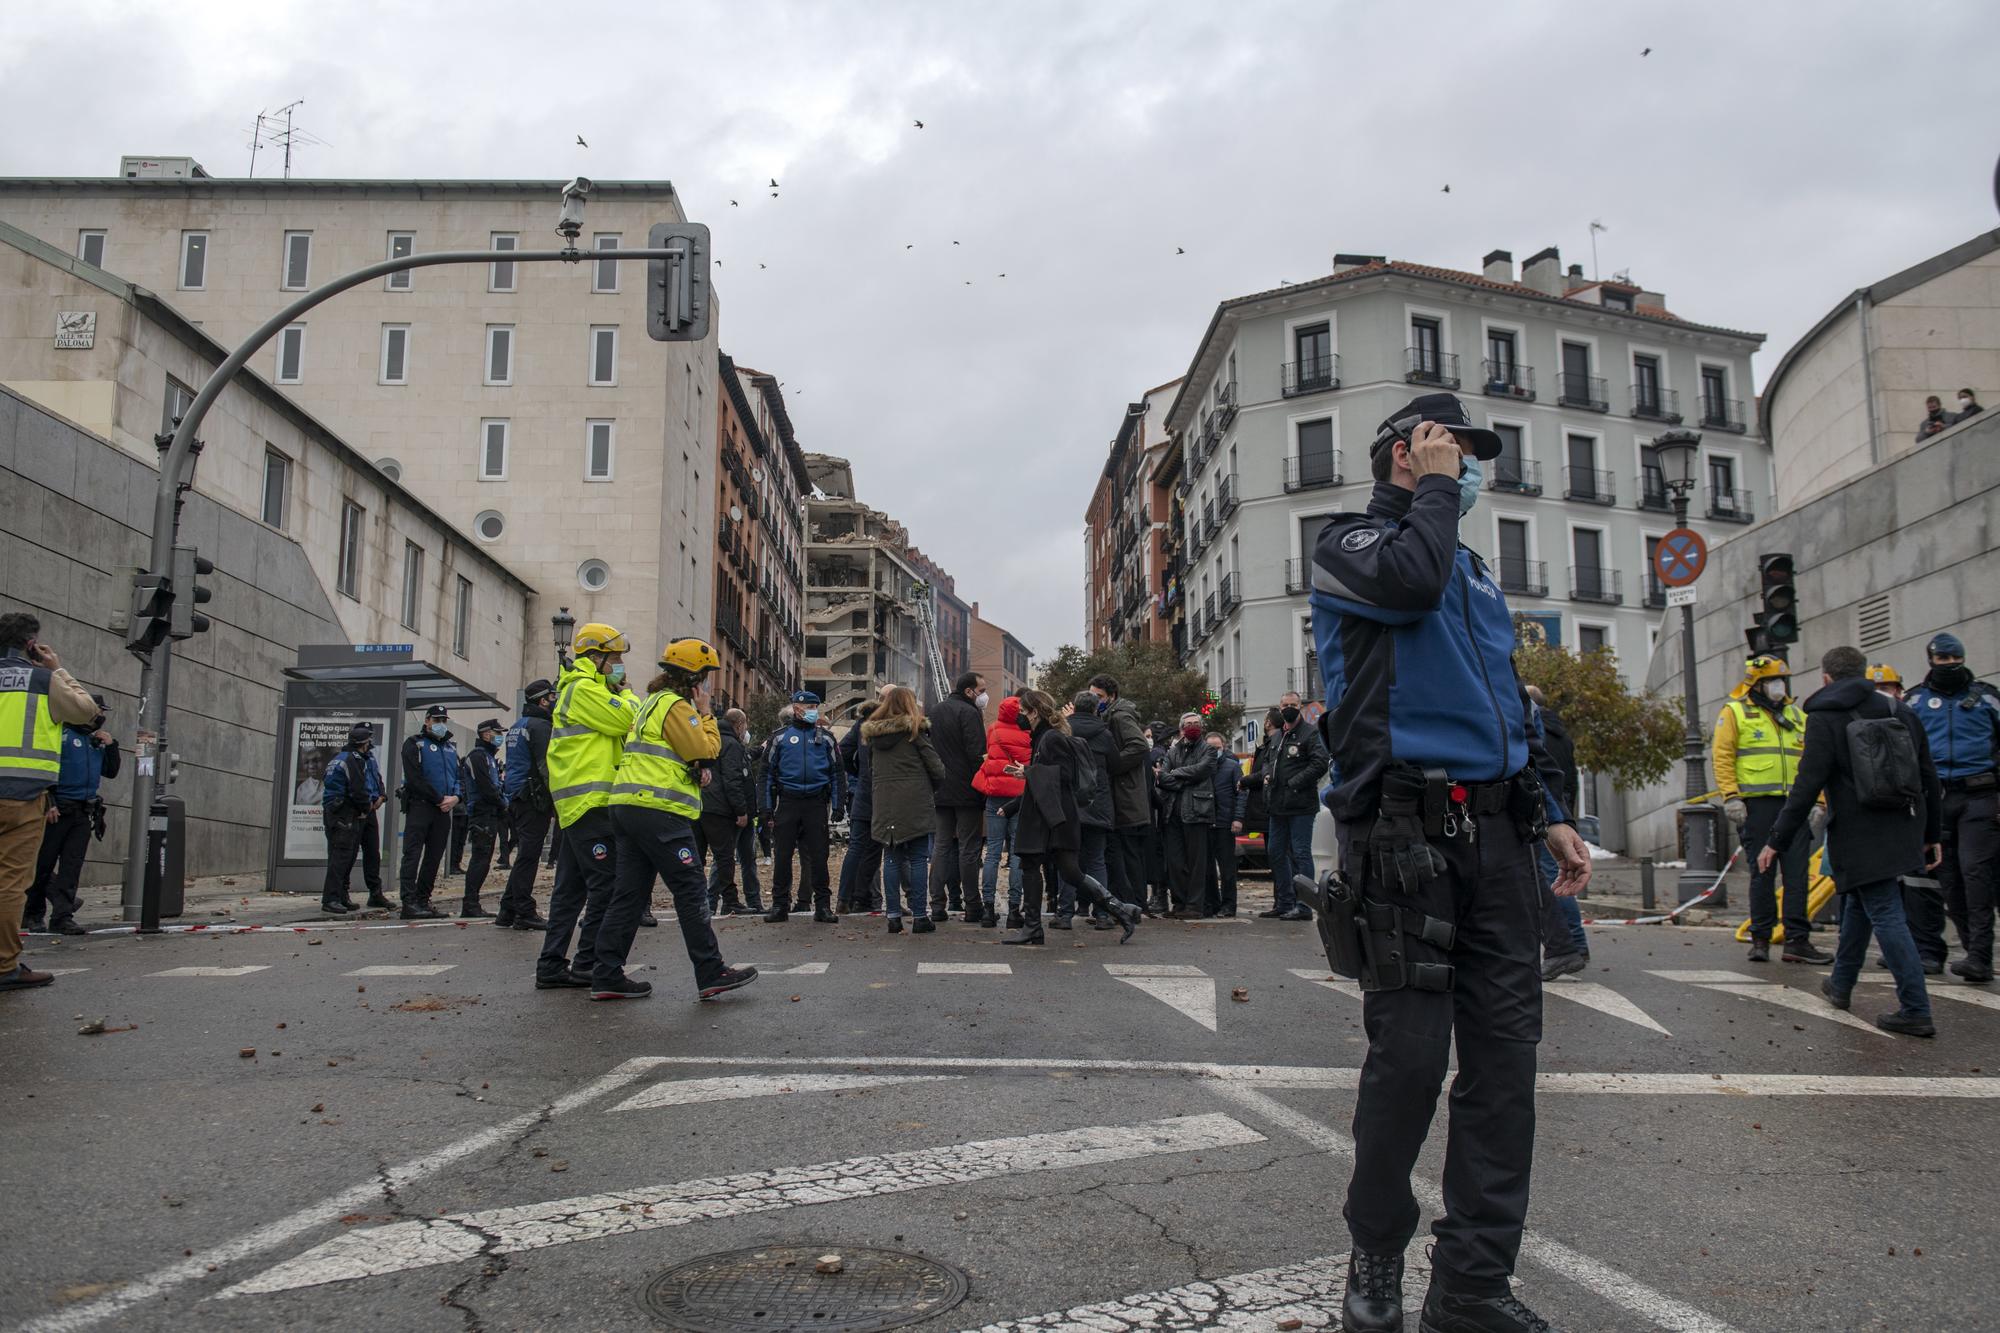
{"points": [[151, 598], [1777, 623], [677, 289], [185, 621]]}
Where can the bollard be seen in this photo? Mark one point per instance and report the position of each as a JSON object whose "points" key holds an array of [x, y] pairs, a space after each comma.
{"points": [[1646, 883]]}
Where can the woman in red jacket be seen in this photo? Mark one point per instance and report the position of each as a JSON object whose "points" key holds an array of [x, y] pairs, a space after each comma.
{"points": [[1000, 779]]}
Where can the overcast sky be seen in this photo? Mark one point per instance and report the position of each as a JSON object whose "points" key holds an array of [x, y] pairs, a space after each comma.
{"points": [[1764, 160]]}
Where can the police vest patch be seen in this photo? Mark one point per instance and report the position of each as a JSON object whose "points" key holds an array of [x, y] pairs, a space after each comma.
{"points": [[1360, 539], [1936, 702], [794, 740], [598, 851]]}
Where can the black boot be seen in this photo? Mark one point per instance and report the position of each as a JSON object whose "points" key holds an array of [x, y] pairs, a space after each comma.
{"points": [[1374, 1299], [1124, 913], [780, 910], [1448, 1313], [989, 918], [471, 910], [1031, 934], [1760, 950], [1013, 918], [1805, 951], [379, 901], [334, 908], [416, 909]]}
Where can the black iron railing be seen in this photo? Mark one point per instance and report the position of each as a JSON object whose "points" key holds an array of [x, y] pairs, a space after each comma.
{"points": [[1590, 486], [1530, 578], [1585, 391], [1426, 365], [1653, 492], [1517, 476], [1652, 403], [1315, 374], [1311, 471], [1298, 572], [1589, 583], [1507, 379], [1731, 506]]}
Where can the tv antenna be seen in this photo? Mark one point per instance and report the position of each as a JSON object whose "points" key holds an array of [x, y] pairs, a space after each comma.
{"points": [[275, 130]]}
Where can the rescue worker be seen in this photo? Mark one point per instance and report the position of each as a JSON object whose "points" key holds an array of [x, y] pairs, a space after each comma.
{"points": [[37, 699], [88, 756], [804, 786], [1442, 790], [587, 729], [1923, 896], [430, 793], [655, 805], [525, 788], [1961, 716], [486, 802], [1759, 736], [349, 798]]}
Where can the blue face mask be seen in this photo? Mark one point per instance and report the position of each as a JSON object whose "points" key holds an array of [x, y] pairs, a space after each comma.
{"points": [[811, 716], [1469, 482], [438, 729], [616, 672], [1103, 707]]}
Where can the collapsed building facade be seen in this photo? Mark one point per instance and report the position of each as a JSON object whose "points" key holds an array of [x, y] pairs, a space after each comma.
{"points": [[863, 582]]}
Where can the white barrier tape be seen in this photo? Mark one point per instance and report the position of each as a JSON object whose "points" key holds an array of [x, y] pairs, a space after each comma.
{"points": [[1695, 901]]}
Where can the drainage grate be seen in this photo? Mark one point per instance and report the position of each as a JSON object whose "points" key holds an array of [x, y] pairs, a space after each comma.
{"points": [[776, 1288]]}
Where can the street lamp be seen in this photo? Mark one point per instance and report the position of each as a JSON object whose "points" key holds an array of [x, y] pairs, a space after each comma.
{"points": [[1679, 452], [565, 627]]}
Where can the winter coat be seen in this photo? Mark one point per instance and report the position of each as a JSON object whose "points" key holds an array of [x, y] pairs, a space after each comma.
{"points": [[1006, 743], [1156, 799], [1049, 820], [1131, 794], [1187, 782], [854, 759], [1562, 748], [905, 770], [1096, 735], [958, 731], [1866, 846], [1228, 783], [730, 793], [1288, 767]]}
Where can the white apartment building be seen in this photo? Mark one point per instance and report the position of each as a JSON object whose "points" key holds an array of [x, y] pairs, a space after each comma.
{"points": [[524, 402], [1288, 387]]}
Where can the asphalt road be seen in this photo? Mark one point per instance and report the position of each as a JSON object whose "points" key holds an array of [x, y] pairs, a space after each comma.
{"points": [[435, 1144]]}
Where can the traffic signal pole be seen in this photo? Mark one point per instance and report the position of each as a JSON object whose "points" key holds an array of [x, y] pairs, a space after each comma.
{"points": [[142, 891]]}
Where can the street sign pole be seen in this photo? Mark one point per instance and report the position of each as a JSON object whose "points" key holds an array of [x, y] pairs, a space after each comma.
{"points": [[1678, 562]]}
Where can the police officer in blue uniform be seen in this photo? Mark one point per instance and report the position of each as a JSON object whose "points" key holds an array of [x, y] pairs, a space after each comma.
{"points": [[1441, 790], [487, 804], [804, 785], [1961, 716], [349, 798], [530, 809], [430, 791], [89, 755]]}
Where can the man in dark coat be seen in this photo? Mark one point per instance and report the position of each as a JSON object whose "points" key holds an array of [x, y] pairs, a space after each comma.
{"points": [[1159, 737], [1870, 848], [1218, 879], [1093, 730], [1131, 805], [726, 806], [1565, 944], [1187, 804], [488, 805], [861, 868], [958, 733], [530, 808], [1288, 769]]}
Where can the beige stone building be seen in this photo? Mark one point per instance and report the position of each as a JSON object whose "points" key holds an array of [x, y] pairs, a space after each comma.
{"points": [[1003, 659], [524, 402]]}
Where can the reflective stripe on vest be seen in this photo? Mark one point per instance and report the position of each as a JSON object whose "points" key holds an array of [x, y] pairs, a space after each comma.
{"points": [[1767, 755], [31, 757], [582, 760], [653, 774]]}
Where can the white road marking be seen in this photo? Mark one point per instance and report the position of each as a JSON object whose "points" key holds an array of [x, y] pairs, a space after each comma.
{"points": [[1771, 1085], [1697, 977], [1602, 998], [965, 969], [401, 1246], [1193, 996], [683, 1092], [64, 971], [1153, 970], [1787, 998], [1962, 994], [1309, 1292], [797, 970], [357, 1198], [1660, 1309], [1319, 976], [408, 970], [212, 971]]}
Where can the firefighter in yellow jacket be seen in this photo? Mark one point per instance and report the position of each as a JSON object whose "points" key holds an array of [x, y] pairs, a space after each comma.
{"points": [[1759, 736], [655, 807]]}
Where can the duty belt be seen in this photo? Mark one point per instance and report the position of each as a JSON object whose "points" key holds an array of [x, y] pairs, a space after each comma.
{"points": [[1987, 781]]}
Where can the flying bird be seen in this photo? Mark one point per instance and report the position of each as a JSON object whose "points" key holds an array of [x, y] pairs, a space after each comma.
{"points": [[774, 182], [734, 204], [763, 266], [1643, 54], [954, 242], [774, 194], [968, 282], [909, 247], [1445, 190], [1003, 275], [580, 142], [1179, 251], [920, 124]]}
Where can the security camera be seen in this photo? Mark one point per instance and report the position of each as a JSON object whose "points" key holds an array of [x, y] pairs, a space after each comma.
{"points": [[570, 224]]}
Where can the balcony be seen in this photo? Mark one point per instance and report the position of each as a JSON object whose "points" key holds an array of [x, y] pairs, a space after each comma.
{"points": [[1310, 472], [1653, 492], [1530, 578], [1232, 590], [1197, 537], [1234, 691], [1731, 506], [1504, 379], [1298, 572], [1225, 407], [1306, 682], [1590, 486], [1423, 365], [1209, 616], [1209, 519], [1652, 403], [1226, 498], [1584, 391], [1588, 583], [1722, 414], [1315, 374], [1656, 593], [1515, 476]]}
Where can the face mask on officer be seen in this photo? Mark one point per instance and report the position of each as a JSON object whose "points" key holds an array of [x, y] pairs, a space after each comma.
{"points": [[437, 730], [1775, 691], [1290, 716], [810, 717], [1103, 706], [1470, 476], [1951, 677]]}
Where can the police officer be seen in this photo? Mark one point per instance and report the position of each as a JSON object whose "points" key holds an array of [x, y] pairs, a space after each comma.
{"points": [[593, 715], [486, 803], [349, 798], [88, 755], [804, 785], [1760, 735], [430, 793], [1961, 716], [525, 789], [1442, 789], [654, 807]]}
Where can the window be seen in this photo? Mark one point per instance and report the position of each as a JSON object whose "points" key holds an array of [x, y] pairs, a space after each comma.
{"points": [[1714, 394], [605, 276], [277, 487], [1514, 554], [348, 580], [194, 260], [1426, 345], [499, 353], [1313, 345], [461, 618], [1646, 385], [179, 399], [500, 276], [291, 353], [597, 450], [298, 260], [90, 247], [593, 575], [1652, 480], [1576, 367], [1583, 482], [395, 354], [1722, 482], [1656, 591], [604, 356], [1615, 300], [1501, 353], [402, 244], [1316, 452], [1510, 470], [413, 584], [1587, 552], [493, 450], [1591, 638], [489, 525]]}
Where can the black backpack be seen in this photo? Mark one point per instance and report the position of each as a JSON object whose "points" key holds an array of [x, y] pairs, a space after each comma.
{"points": [[1884, 760], [1087, 776]]}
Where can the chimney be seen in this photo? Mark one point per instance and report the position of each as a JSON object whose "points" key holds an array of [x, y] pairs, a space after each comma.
{"points": [[1655, 299], [1543, 271], [1343, 263], [1499, 266], [1576, 275]]}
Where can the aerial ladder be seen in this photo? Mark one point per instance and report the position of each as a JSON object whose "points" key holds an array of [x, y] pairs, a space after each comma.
{"points": [[926, 612]]}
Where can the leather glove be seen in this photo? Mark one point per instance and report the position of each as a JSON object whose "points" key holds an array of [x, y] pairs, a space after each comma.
{"points": [[1404, 861], [1737, 812], [1816, 820]]}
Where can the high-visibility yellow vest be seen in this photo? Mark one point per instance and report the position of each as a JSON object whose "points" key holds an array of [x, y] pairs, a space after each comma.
{"points": [[1767, 755], [587, 731], [30, 736], [652, 774]]}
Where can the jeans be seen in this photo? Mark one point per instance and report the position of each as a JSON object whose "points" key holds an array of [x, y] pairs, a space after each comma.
{"points": [[1289, 844], [1562, 919], [1878, 909], [1000, 838], [906, 863]]}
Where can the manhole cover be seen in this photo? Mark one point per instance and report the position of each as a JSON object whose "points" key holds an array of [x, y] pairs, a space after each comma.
{"points": [[777, 1287]]}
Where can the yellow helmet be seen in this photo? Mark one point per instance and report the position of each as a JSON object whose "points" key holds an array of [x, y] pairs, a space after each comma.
{"points": [[599, 638], [693, 656], [1885, 675], [1757, 670]]}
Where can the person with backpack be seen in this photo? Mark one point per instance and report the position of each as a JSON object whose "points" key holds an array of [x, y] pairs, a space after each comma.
{"points": [[1049, 829], [1758, 738], [1961, 717], [1873, 763]]}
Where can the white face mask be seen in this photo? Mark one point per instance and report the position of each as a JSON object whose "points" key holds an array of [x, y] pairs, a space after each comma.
{"points": [[981, 700], [1774, 690]]}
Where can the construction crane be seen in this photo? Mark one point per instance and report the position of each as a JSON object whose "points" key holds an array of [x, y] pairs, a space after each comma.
{"points": [[926, 611]]}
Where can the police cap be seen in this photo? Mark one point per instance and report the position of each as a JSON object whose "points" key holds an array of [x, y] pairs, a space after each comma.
{"points": [[1445, 410]]}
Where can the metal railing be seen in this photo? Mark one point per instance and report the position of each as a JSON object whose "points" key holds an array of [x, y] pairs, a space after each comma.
{"points": [[1232, 590], [1315, 374], [1308, 472], [1508, 379], [1298, 574], [1585, 391], [1590, 486], [1226, 498], [1653, 492], [1517, 476], [1652, 403], [1722, 414], [1656, 593], [1306, 682], [1731, 506], [1233, 690], [1225, 407], [1588, 583], [1422, 365], [1208, 614], [1530, 578]]}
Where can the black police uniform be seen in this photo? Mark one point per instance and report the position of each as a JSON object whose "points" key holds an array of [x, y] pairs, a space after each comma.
{"points": [[487, 807]]}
